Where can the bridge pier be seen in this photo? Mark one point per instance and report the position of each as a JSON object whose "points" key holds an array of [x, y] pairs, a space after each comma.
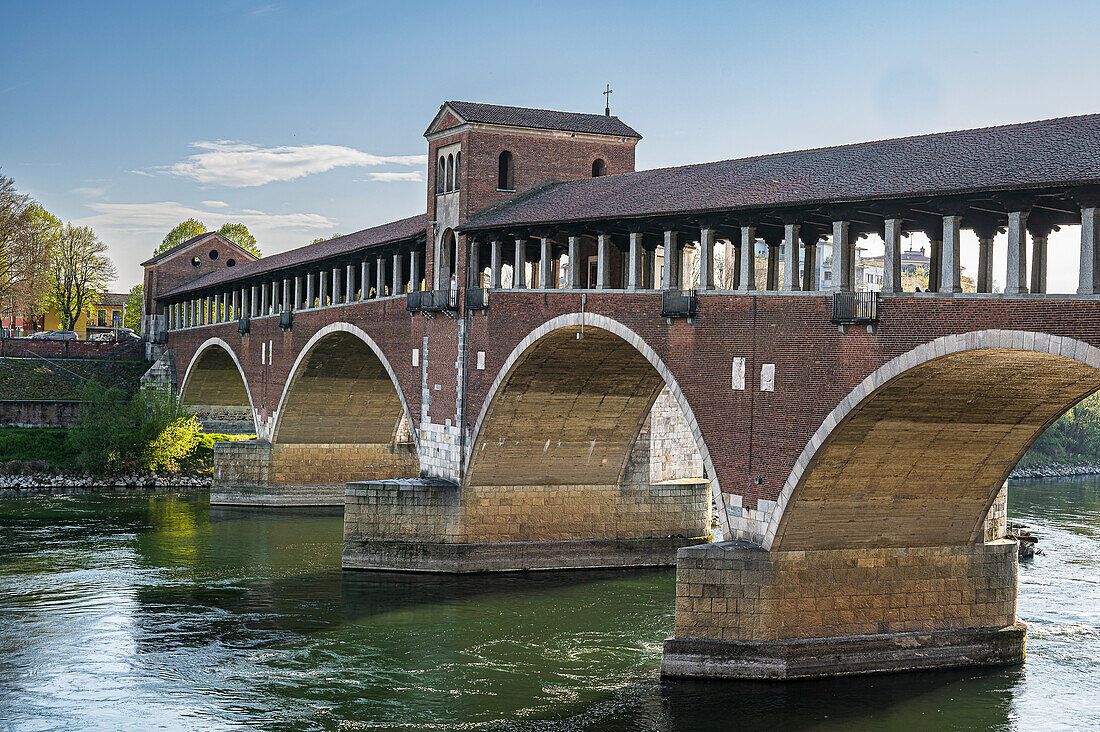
{"points": [[260, 473], [746, 613]]}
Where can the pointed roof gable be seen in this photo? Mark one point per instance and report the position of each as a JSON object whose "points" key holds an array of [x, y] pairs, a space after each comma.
{"points": [[452, 114], [193, 241]]}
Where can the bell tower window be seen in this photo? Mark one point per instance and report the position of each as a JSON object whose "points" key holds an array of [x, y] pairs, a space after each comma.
{"points": [[440, 175], [450, 173], [599, 167], [506, 172]]}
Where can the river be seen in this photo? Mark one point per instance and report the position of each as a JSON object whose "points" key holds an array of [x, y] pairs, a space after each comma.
{"points": [[155, 612]]}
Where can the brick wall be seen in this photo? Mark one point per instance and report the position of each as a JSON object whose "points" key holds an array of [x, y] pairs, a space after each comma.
{"points": [[725, 592]]}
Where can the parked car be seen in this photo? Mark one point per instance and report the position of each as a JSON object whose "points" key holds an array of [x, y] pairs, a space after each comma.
{"points": [[126, 334], [101, 338], [54, 335]]}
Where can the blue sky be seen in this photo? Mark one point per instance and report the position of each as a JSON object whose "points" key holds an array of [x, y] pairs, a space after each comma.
{"points": [[303, 119]]}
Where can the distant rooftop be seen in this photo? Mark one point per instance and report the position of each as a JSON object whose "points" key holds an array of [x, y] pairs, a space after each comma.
{"points": [[541, 119]]}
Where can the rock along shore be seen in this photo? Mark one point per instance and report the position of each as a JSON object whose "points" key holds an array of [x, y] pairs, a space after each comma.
{"points": [[13, 486], [1055, 470]]}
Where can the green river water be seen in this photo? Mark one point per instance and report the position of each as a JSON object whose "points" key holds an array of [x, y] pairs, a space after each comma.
{"points": [[156, 612]]}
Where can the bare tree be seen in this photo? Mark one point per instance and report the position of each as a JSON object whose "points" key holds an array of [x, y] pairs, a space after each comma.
{"points": [[33, 249], [80, 271], [13, 217]]}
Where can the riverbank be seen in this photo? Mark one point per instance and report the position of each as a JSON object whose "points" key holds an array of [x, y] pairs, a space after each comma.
{"points": [[1055, 470], [35, 484]]}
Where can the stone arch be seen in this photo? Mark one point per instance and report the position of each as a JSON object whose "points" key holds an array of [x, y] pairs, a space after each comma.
{"points": [[614, 402], [339, 365], [974, 402], [214, 378]]}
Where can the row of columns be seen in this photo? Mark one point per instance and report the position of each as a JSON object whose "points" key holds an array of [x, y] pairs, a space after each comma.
{"points": [[340, 285]]}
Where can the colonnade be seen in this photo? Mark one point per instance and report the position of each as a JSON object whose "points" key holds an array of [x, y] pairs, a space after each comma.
{"points": [[370, 278]]}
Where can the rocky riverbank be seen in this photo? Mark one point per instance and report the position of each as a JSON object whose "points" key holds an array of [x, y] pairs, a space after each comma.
{"points": [[14, 486], [1056, 470]]}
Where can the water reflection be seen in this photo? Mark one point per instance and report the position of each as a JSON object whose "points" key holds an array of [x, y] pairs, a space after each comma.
{"points": [[139, 612]]}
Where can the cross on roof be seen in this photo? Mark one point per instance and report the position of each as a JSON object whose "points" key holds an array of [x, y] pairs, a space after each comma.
{"points": [[607, 100]]}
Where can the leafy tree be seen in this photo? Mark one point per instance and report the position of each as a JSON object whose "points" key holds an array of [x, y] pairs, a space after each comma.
{"points": [[35, 248], [134, 305], [239, 235], [181, 233], [79, 271], [320, 239], [14, 208]]}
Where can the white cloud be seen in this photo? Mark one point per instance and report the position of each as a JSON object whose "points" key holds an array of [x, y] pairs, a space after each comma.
{"points": [[159, 217], [215, 204], [240, 165], [91, 191], [415, 176]]}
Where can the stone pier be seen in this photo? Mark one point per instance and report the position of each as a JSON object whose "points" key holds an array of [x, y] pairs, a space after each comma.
{"points": [[259, 473], [746, 613]]}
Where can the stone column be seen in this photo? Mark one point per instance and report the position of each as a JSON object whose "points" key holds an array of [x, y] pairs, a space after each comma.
{"points": [[474, 268], [935, 262], [809, 260], [286, 295], [670, 274], [773, 266], [233, 313], [495, 263], [790, 257], [635, 274], [1016, 272], [573, 282], [322, 288], [985, 264], [349, 283], [603, 261], [1089, 281], [335, 280], [254, 310], [546, 266], [380, 277], [519, 274], [844, 256], [706, 259], [310, 293], [1038, 262], [891, 269], [414, 270], [398, 287], [747, 277], [297, 304], [264, 303], [951, 272]]}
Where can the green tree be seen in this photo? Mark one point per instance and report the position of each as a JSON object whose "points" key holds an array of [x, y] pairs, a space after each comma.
{"points": [[134, 305], [181, 233], [79, 271], [34, 248], [320, 239], [239, 235]]}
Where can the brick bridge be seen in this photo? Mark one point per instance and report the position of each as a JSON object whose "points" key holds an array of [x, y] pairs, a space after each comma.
{"points": [[565, 361]]}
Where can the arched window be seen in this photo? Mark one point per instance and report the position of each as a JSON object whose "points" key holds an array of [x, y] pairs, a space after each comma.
{"points": [[458, 170], [599, 167], [440, 175], [450, 172], [506, 172]]}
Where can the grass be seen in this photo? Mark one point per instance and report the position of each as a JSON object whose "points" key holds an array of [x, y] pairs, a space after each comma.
{"points": [[48, 449]]}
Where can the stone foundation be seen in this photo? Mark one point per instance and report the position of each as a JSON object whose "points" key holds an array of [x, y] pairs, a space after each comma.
{"points": [[258, 473], [430, 525], [742, 612]]}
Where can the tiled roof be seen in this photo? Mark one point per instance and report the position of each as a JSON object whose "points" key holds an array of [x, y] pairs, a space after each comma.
{"points": [[375, 236], [1027, 155], [542, 119], [113, 299]]}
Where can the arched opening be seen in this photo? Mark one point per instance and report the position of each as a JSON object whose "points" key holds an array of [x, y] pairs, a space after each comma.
{"points": [[570, 436], [506, 172], [599, 167], [215, 391], [450, 173], [440, 175], [458, 170], [448, 256], [916, 455], [341, 417]]}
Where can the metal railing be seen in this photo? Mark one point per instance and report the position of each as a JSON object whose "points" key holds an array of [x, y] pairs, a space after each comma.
{"points": [[678, 303], [431, 300], [855, 308], [477, 298]]}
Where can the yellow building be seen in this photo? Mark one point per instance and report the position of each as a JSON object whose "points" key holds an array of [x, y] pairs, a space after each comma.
{"points": [[106, 316]]}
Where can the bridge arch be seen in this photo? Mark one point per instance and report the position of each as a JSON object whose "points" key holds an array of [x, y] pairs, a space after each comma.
{"points": [[551, 396], [341, 366], [214, 378], [916, 453]]}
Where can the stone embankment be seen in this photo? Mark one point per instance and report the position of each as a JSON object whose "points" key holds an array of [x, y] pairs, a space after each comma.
{"points": [[1055, 470], [12, 486]]}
